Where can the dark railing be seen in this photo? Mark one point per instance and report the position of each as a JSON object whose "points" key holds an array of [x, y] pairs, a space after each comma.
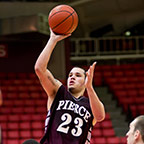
{"points": [[107, 48]]}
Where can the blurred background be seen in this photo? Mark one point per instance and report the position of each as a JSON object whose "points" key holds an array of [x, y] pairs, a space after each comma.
{"points": [[109, 32]]}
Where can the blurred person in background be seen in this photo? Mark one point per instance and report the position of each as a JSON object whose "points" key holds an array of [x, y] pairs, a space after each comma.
{"points": [[1, 101], [135, 135], [30, 141]]}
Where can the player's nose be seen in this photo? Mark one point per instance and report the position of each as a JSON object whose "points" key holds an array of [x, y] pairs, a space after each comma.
{"points": [[73, 77]]}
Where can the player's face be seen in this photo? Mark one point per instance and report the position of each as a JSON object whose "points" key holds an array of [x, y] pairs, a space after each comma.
{"points": [[76, 79], [131, 134]]}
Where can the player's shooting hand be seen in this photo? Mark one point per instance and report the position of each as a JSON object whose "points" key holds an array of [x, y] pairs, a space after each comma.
{"points": [[57, 37], [89, 75]]}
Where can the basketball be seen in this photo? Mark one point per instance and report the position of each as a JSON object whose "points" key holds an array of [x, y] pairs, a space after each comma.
{"points": [[63, 19]]}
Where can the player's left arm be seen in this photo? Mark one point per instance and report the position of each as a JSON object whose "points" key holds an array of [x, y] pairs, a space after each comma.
{"points": [[95, 103]]}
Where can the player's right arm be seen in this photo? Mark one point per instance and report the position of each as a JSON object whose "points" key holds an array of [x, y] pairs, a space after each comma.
{"points": [[46, 78]]}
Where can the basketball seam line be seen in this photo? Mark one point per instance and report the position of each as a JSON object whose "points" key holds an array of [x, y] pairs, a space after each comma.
{"points": [[58, 12], [71, 25], [63, 20]]}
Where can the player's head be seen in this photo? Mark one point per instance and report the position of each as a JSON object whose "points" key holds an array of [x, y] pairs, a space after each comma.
{"points": [[30, 141], [135, 134], [76, 80]]}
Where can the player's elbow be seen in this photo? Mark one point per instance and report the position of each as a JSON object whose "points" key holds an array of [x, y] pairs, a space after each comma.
{"points": [[101, 117], [37, 69]]}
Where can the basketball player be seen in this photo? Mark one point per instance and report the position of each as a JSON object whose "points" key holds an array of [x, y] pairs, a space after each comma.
{"points": [[135, 135], [70, 114]]}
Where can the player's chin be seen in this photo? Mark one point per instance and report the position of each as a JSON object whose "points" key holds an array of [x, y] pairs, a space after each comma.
{"points": [[71, 88], [127, 141]]}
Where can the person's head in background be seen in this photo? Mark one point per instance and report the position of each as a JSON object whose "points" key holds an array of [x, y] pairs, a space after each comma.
{"points": [[135, 135], [30, 141]]}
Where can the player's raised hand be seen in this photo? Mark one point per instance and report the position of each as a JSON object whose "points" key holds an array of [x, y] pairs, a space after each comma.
{"points": [[57, 37], [89, 75]]}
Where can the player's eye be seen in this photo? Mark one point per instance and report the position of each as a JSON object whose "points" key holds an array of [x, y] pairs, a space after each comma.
{"points": [[78, 75], [70, 75]]}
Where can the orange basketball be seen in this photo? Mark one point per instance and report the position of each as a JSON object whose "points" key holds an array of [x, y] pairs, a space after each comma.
{"points": [[63, 19]]}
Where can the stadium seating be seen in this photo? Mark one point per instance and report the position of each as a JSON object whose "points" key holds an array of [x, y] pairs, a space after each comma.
{"points": [[127, 84], [23, 112]]}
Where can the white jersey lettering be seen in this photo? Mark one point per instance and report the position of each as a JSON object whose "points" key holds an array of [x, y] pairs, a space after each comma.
{"points": [[69, 105]]}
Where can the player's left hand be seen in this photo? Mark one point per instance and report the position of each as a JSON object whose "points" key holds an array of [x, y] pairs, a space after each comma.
{"points": [[89, 75]]}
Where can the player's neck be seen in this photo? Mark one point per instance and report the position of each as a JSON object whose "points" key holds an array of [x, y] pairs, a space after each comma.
{"points": [[78, 94], [140, 142]]}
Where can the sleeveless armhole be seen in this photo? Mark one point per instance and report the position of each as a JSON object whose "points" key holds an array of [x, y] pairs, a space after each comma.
{"points": [[50, 114]]}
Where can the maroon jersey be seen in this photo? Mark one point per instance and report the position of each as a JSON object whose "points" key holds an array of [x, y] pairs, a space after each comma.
{"points": [[69, 120]]}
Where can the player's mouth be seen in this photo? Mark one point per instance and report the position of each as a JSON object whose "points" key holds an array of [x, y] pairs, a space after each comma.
{"points": [[71, 82]]}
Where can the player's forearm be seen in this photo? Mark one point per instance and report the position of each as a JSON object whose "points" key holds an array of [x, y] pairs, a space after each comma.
{"points": [[43, 59], [96, 105]]}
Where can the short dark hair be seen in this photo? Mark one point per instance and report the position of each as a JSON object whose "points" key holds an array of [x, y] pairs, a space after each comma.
{"points": [[30, 141], [139, 125]]}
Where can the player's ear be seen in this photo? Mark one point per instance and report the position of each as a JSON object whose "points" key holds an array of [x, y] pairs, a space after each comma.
{"points": [[136, 134]]}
